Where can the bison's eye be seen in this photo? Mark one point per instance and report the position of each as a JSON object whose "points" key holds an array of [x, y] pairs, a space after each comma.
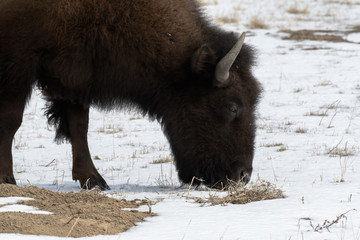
{"points": [[230, 111], [232, 108]]}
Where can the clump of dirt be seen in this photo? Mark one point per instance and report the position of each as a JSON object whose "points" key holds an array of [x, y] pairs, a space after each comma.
{"points": [[75, 214], [238, 193]]}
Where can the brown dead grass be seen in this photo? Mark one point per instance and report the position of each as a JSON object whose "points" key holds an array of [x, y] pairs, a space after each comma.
{"points": [[320, 35], [314, 35], [294, 9], [238, 193], [339, 151], [231, 18], [301, 130], [75, 214], [208, 2], [257, 23], [269, 145], [355, 29], [327, 224], [317, 114], [161, 160]]}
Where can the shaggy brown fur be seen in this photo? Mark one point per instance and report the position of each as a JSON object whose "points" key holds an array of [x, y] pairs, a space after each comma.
{"points": [[156, 55]]}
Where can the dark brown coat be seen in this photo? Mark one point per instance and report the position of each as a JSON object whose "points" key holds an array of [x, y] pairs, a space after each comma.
{"points": [[158, 56]]}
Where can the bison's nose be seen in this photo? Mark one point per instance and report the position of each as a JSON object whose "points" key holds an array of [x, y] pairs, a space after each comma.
{"points": [[245, 176]]}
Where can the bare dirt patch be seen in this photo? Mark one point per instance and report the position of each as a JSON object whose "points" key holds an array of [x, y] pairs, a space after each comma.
{"points": [[75, 214]]}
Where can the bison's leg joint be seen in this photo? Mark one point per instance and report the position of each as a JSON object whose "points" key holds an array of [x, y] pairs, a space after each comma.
{"points": [[76, 121]]}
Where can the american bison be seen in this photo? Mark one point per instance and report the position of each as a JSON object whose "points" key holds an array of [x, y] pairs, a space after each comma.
{"points": [[161, 57]]}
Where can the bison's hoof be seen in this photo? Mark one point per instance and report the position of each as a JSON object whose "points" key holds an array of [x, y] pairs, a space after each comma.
{"points": [[93, 182], [7, 179]]}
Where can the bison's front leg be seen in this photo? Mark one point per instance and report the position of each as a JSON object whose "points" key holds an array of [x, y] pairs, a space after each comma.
{"points": [[11, 111], [83, 167]]}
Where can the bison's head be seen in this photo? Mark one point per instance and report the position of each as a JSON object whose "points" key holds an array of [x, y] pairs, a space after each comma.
{"points": [[211, 123]]}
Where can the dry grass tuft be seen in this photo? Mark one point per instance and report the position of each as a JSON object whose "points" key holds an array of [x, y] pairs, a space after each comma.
{"points": [[137, 117], [327, 224], [282, 149], [110, 129], [238, 193], [301, 130], [281, 145], [208, 2], [166, 159], [314, 35], [317, 114], [297, 90], [294, 9], [232, 17], [324, 83], [346, 2], [269, 145], [345, 151], [256, 23]]}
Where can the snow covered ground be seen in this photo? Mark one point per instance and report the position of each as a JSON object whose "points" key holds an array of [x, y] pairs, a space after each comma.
{"points": [[307, 140]]}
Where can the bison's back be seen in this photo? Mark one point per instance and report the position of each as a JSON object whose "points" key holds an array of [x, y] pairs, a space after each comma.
{"points": [[77, 43], [154, 27]]}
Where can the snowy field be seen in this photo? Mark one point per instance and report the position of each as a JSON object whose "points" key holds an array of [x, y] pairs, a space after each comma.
{"points": [[307, 139]]}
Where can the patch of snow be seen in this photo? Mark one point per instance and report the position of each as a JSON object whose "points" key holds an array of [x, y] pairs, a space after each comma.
{"points": [[11, 206], [13, 200], [22, 208], [354, 37]]}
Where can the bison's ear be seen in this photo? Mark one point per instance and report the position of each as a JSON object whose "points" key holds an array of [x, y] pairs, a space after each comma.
{"points": [[203, 60]]}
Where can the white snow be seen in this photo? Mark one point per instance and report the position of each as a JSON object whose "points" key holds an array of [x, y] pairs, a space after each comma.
{"points": [[12, 200], [299, 82], [354, 37], [22, 208], [8, 204]]}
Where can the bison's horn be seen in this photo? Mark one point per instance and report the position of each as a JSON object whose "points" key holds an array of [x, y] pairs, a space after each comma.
{"points": [[223, 67]]}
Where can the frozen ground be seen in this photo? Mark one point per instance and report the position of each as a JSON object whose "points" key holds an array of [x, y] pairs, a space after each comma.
{"points": [[307, 140]]}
